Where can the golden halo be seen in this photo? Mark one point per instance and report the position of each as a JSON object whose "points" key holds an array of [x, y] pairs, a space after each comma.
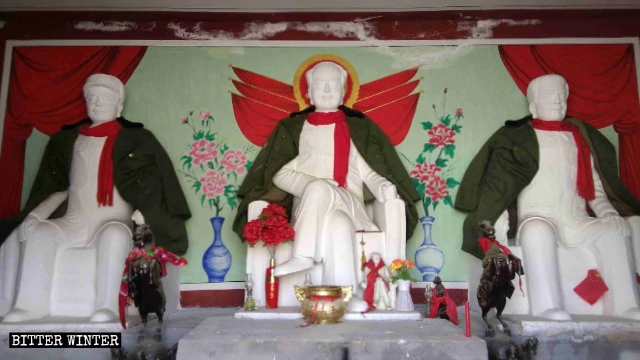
{"points": [[301, 88]]}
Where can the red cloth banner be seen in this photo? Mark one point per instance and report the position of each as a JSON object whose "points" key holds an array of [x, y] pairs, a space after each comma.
{"points": [[603, 90], [45, 92]]}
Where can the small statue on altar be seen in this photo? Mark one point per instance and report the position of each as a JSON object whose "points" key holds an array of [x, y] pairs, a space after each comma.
{"points": [[144, 268], [379, 292], [442, 306], [499, 268]]}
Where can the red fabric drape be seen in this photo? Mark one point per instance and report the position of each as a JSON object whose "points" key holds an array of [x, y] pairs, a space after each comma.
{"points": [[45, 92], [603, 90]]}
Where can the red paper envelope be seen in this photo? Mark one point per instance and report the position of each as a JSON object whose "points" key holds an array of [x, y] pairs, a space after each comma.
{"points": [[592, 287]]}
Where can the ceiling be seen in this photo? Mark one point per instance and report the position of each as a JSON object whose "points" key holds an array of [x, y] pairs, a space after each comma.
{"points": [[307, 5]]}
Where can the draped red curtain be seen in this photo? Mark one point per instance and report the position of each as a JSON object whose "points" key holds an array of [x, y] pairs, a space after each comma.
{"points": [[45, 92], [603, 90]]}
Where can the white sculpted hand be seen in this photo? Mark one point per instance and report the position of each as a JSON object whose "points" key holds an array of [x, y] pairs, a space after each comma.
{"points": [[27, 226], [388, 191], [332, 182], [619, 224]]}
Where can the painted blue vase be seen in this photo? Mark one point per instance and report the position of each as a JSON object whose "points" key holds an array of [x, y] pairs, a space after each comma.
{"points": [[429, 258], [216, 261]]}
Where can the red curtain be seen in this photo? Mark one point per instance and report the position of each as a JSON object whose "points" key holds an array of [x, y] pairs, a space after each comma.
{"points": [[45, 92], [603, 90]]}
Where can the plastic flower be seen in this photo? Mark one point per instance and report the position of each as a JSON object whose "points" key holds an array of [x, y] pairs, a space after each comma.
{"points": [[272, 227], [234, 160], [202, 151], [441, 135], [400, 268]]}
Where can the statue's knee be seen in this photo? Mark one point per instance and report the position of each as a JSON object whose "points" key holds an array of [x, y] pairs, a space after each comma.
{"points": [[114, 235], [317, 188], [340, 223], [539, 231]]}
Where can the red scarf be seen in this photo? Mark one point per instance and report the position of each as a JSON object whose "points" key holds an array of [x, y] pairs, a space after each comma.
{"points": [[586, 188], [371, 281], [485, 243], [109, 129], [341, 141]]}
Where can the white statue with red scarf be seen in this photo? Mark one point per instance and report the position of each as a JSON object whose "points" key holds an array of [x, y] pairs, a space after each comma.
{"points": [[327, 178], [379, 291], [552, 213], [56, 260]]}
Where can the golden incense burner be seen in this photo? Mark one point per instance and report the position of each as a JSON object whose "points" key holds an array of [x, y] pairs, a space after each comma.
{"points": [[323, 304]]}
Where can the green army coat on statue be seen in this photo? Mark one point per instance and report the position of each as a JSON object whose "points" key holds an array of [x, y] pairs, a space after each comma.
{"points": [[143, 175], [282, 147], [507, 163]]}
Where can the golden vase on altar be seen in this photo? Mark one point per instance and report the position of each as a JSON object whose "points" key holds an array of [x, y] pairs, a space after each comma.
{"points": [[323, 304]]}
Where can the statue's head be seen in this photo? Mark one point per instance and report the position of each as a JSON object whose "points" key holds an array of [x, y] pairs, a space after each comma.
{"points": [[487, 229], [104, 95], [375, 257], [547, 97], [326, 86], [142, 235]]}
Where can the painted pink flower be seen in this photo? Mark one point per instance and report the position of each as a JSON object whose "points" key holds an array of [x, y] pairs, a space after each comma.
{"points": [[203, 151], [204, 115], [425, 172], [234, 160], [190, 112], [436, 189], [441, 135], [459, 111], [213, 183], [184, 120], [445, 90]]}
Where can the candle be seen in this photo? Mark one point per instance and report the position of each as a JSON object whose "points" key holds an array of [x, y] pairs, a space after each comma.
{"points": [[467, 320]]}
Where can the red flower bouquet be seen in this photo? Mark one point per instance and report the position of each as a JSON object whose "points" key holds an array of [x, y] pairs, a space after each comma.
{"points": [[272, 227]]}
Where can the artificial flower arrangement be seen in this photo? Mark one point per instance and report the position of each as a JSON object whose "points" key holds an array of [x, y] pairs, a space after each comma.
{"points": [[272, 227], [400, 270]]}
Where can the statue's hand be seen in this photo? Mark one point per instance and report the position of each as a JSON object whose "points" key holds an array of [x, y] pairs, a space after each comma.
{"points": [[618, 223], [27, 226], [388, 191], [137, 217], [332, 182]]}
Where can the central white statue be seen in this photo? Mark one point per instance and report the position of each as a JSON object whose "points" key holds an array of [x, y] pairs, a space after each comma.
{"points": [[318, 163], [330, 205]]}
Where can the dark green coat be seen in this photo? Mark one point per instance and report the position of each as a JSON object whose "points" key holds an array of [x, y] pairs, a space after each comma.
{"points": [[507, 163], [282, 147], [143, 175]]}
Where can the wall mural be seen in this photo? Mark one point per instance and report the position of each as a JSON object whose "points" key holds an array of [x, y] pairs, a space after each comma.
{"points": [[213, 107]]}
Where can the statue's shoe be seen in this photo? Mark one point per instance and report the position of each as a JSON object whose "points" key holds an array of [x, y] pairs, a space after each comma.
{"points": [[103, 315], [19, 315], [293, 265], [632, 314], [556, 314]]}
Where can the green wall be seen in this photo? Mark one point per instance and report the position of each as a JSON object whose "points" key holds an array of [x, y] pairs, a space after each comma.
{"points": [[171, 81]]}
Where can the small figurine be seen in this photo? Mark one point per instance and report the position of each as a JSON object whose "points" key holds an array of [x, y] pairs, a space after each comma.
{"points": [[141, 279], [379, 292], [500, 267], [249, 303], [442, 306]]}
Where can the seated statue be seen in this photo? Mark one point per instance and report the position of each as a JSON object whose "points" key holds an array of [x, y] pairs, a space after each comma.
{"points": [[379, 292], [548, 170], [317, 163], [95, 174]]}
